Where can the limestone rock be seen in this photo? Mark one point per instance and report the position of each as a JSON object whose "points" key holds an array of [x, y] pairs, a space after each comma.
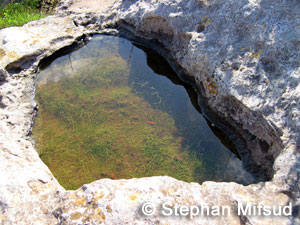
{"points": [[242, 56], [47, 5]]}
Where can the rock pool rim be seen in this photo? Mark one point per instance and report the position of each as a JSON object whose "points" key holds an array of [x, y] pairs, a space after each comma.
{"points": [[239, 136], [217, 161], [238, 141], [60, 206]]}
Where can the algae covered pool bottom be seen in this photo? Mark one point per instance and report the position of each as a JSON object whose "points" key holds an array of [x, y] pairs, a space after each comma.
{"points": [[105, 113]]}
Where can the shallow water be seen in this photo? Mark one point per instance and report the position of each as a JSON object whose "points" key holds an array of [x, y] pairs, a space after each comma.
{"points": [[110, 110]]}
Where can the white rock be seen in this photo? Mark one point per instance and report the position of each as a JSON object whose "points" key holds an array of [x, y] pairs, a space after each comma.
{"points": [[242, 55]]}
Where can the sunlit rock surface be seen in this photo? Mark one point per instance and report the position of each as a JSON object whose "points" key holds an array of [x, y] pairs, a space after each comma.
{"points": [[242, 55]]}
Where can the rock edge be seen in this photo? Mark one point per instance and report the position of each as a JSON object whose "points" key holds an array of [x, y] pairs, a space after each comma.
{"points": [[244, 58]]}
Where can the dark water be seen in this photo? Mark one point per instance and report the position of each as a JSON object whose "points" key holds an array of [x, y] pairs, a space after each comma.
{"points": [[114, 109]]}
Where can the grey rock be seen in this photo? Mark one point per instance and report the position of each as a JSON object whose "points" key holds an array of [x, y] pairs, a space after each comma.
{"points": [[48, 5], [242, 56]]}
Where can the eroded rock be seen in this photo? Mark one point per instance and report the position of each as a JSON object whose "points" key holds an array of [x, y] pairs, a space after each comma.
{"points": [[243, 56]]}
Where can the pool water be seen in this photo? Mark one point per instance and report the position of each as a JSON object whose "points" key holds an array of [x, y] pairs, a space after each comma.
{"points": [[112, 109]]}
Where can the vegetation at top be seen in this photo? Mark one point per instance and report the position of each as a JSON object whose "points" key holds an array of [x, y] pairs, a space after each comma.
{"points": [[19, 13]]}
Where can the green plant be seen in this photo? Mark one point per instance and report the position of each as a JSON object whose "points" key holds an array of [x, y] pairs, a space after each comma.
{"points": [[19, 13], [92, 125]]}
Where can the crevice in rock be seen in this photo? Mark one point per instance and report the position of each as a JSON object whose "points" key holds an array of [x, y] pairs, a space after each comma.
{"points": [[28, 61], [2, 105], [157, 61], [78, 43], [258, 143], [258, 153], [23, 63]]}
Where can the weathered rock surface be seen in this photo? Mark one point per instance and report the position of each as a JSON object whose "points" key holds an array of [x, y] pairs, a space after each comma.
{"points": [[47, 5], [243, 56]]}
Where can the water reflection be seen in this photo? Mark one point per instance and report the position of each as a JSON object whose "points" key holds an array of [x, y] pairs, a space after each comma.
{"points": [[140, 94], [160, 85]]}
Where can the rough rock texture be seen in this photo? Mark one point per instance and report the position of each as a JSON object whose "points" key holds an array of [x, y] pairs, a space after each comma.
{"points": [[243, 57], [48, 5], [90, 6]]}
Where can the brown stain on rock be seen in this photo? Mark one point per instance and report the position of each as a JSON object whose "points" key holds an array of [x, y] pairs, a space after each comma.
{"points": [[76, 216], [13, 55], [108, 209], [212, 87], [37, 186], [34, 42], [69, 30], [2, 53], [80, 202]]}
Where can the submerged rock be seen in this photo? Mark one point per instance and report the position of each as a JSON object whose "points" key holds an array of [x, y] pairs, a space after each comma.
{"points": [[243, 57]]}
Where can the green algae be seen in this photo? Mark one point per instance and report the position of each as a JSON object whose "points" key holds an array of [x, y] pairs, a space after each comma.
{"points": [[108, 110], [92, 125]]}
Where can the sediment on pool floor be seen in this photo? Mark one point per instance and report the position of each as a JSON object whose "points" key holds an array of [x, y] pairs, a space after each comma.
{"points": [[102, 114]]}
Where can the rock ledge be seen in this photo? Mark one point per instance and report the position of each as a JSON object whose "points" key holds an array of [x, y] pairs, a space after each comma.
{"points": [[242, 56]]}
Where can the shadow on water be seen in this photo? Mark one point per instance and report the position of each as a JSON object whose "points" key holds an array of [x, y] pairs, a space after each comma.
{"points": [[156, 82], [161, 67], [116, 109]]}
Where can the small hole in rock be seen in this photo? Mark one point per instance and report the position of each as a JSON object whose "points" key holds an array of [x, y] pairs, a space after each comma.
{"points": [[200, 28]]}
